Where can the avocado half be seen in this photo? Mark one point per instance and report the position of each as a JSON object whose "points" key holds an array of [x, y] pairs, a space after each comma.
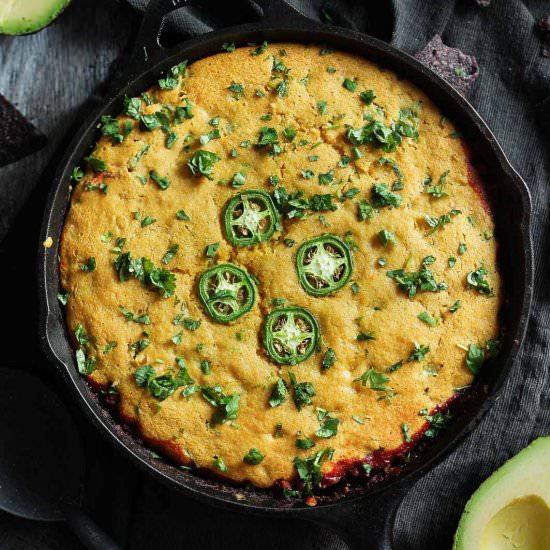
{"points": [[511, 509], [27, 16]]}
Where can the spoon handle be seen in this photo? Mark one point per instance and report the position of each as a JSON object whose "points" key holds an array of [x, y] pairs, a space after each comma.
{"points": [[87, 531]]}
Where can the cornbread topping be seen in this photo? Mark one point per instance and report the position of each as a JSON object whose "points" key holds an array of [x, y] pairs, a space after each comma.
{"points": [[276, 261]]}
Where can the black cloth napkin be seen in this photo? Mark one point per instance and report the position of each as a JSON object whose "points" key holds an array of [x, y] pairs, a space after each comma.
{"points": [[509, 94]]}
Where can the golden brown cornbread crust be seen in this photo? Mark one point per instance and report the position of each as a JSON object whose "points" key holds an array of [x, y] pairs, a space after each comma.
{"points": [[235, 352]]}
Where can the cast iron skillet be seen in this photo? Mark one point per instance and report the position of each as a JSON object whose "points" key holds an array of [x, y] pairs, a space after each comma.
{"points": [[364, 516]]}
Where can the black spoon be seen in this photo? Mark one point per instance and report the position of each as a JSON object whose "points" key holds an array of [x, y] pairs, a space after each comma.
{"points": [[41, 458]]}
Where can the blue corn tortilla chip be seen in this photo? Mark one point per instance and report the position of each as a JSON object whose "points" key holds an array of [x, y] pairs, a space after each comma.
{"points": [[543, 29], [18, 137], [457, 68]]}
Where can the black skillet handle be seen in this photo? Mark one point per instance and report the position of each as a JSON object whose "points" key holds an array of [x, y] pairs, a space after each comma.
{"points": [[89, 534], [366, 523], [147, 45]]}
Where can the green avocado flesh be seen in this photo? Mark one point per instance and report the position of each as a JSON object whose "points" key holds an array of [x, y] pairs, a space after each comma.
{"points": [[511, 509], [26, 16]]}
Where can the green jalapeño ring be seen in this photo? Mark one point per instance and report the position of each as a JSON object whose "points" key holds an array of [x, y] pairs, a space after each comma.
{"points": [[291, 335], [249, 218], [227, 292], [324, 265]]}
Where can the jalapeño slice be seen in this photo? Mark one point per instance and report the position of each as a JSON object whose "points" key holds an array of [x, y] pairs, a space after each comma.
{"points": [[324, 265], [227, 292], [250, 217], [290, 335]]}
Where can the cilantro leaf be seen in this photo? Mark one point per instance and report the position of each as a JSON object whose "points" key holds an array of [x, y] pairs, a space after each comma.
{"points": [[328, 359], [303, 392], [202, 162], [253, 457], [278, 394], [226, 406], [475, 358], [329, 427], [374, 380], [477, 280], [418, 353], [309, 470]]}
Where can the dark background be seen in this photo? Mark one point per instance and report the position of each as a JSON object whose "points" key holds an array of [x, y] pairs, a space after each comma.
{"points": [[53, 77]]}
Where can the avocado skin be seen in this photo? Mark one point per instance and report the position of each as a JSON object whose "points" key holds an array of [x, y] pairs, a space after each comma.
{"points": [[523, 477], [22, 26]]}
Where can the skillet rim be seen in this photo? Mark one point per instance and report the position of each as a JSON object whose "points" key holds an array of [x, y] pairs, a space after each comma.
{"points": [[52, 324]]}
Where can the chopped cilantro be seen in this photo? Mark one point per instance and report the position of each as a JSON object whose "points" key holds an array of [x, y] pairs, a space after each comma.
{"points": [[309, 470], [438, 223], [218, 463], [89, 266], [374, 380], [205, 366], [326, 179], [418, 353], [134, 160], [436, 190], [132, 107], [382, 197], [144, 271], [170, 253], [109, 346], [260, 49], [202, 162], [111, 127], [140, 319], [475, 358], [304, 443], [211, 250], [349, 85], [95, 164], [477, 280], [289, 133], [253, 457], [303, 392], [414, 281], [228, 47], [406, 432], [455, 307], [278, 394], [367, 96], [239, 179], [226, 406], [328, 359], [237, 89], [268, 136], [386, 237], [427, 318]]}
